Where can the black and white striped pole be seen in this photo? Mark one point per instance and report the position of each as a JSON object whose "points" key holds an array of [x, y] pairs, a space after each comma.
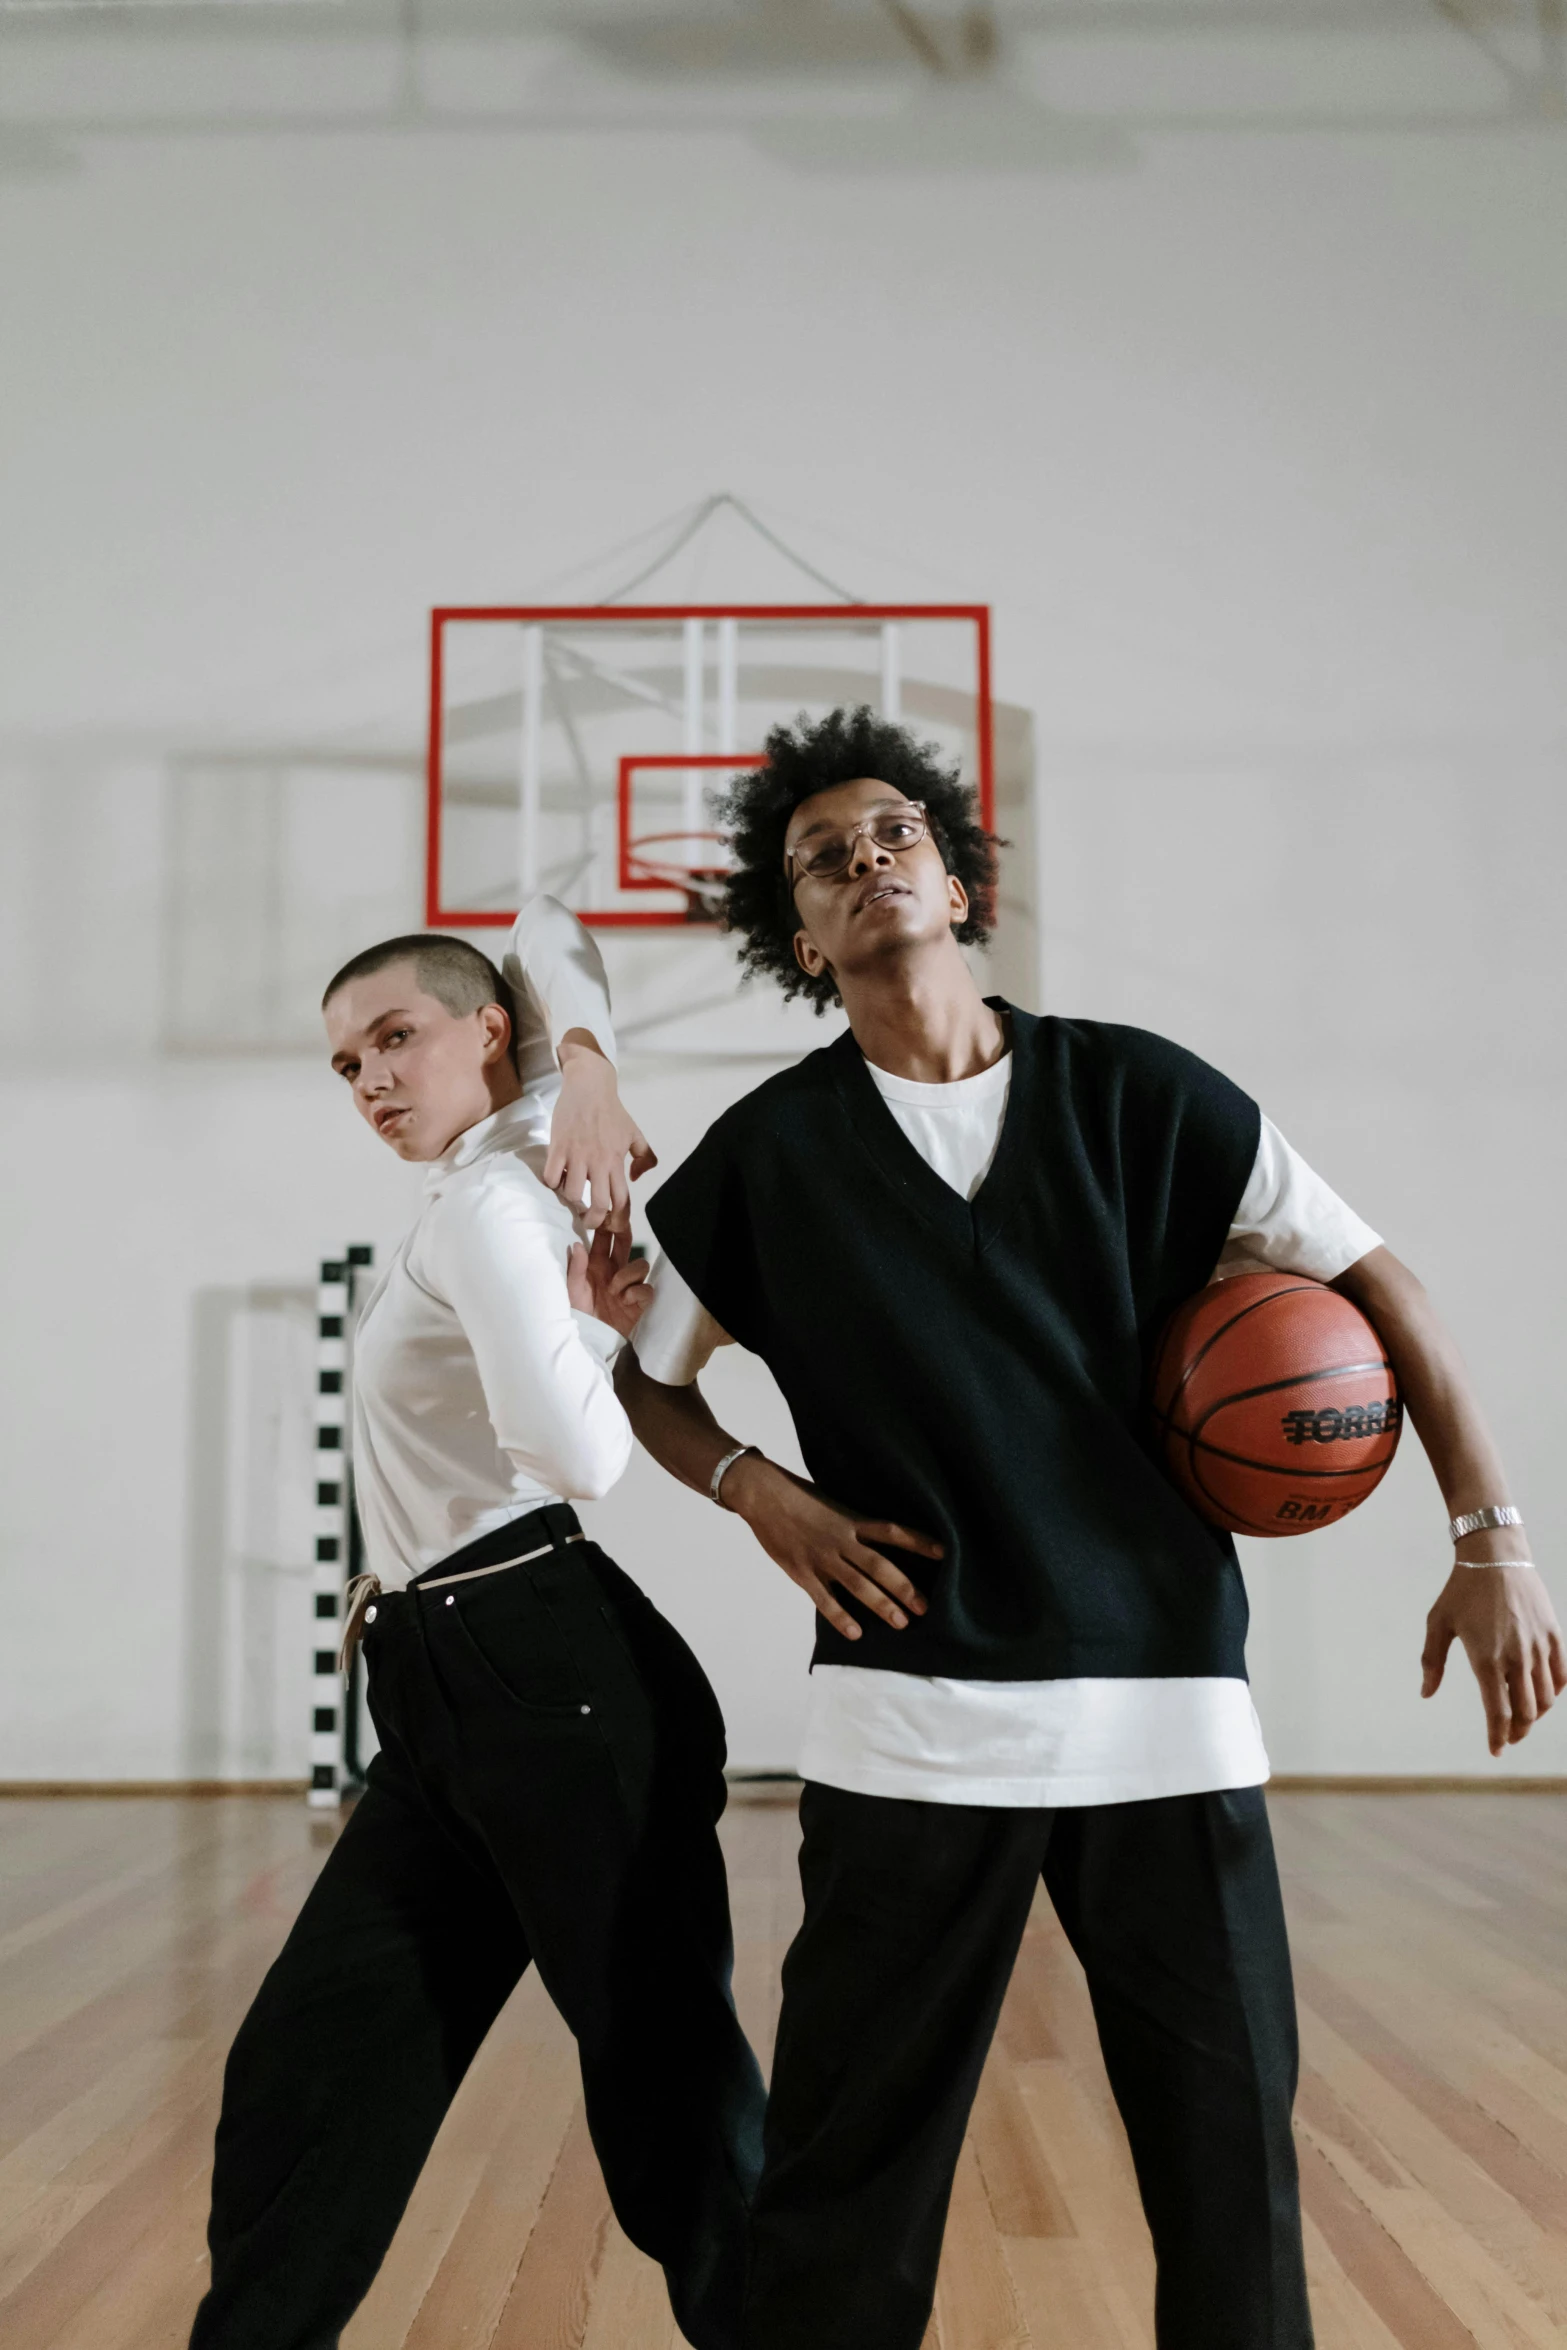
{"points": [[333, 1761]]}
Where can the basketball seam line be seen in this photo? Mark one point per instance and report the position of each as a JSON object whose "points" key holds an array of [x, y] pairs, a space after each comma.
{"points": [[1167, 1420], [1294, 1289], [1246, 1525], [1272, 1468], [1195, 1441], [1277, 1386]]}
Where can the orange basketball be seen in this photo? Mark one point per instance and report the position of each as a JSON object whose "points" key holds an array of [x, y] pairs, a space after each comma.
{"points": [[1275, 1403]]}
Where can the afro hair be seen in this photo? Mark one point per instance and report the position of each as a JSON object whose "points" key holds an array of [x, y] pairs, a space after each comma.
{"points": [[808, 758]]}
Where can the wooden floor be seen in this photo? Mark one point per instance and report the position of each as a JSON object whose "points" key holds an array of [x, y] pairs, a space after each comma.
{"points": [[1431, 1947]]}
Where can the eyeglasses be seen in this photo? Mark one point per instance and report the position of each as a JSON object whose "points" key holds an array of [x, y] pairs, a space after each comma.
{"points": [[896, 829]]}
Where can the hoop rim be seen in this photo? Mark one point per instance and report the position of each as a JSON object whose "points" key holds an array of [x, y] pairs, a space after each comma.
{"points": [[666, 870]]}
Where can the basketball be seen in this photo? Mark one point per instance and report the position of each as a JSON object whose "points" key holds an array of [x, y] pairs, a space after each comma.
{"points": [[1275, 1404]]}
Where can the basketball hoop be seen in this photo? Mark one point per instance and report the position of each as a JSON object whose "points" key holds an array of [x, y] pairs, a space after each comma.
{"points": [[703, 876]]}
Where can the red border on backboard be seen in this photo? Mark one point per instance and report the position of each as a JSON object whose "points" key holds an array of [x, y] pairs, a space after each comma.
{"points": [[438, 917]]}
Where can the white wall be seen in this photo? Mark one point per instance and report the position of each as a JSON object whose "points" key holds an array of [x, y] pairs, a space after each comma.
{"points": [[1255, 445]]}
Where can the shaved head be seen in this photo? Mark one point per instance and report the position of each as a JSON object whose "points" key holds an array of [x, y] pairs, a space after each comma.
{"points": [[456, 974]]}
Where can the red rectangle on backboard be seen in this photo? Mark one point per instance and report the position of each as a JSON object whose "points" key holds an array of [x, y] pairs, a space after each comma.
{"points": [[669, 859]]}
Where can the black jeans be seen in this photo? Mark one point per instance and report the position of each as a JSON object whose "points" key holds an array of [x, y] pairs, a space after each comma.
{"points": [[913, 1916], [548, 1786]]}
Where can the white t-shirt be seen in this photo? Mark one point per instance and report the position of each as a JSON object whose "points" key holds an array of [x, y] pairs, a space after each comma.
{"points": [[1047, 1743]]}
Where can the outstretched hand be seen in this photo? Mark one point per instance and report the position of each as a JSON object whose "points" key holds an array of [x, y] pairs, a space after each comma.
{"points": [[592, 1137], [605, 1280], [1504, 1617], [825, 1548]]}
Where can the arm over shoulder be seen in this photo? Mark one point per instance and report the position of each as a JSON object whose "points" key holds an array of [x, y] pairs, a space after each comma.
{"points": [[555, 976]]}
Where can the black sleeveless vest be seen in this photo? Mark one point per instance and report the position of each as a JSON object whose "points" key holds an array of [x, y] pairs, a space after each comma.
{"points": [[978, 1369]]}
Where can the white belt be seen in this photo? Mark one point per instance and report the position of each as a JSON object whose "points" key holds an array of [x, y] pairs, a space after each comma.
{"points": [[366, 1588], [472, 1574]]}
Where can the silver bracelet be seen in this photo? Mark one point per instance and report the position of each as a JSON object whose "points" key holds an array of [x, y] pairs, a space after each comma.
{"points": [[1481, 1521], [1493, 1562], [724, 1467]]}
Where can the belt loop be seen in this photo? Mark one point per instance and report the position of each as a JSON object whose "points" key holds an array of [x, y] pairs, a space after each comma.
{"points": [[361, 1591]]}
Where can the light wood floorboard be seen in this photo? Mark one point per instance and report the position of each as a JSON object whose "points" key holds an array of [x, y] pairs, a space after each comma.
{"points": [[1430, 1935]]}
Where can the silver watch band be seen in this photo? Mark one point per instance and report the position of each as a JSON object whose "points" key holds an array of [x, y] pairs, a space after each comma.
{"points": [[1478, 1563], [724, 1467], [1481, 1521]]}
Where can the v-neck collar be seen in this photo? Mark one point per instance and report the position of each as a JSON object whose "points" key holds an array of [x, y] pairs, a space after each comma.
{"points": [[971, 1223]]}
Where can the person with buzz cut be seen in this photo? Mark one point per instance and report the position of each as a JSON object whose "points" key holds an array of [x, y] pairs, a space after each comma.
{"points": [[551, 1763], [953, 1236]]}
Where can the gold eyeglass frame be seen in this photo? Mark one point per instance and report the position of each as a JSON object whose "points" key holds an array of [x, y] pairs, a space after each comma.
{"points": [[866, 824]]}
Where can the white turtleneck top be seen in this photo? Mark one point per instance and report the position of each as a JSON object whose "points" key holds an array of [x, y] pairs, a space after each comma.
{"points": [[479, 1392]]}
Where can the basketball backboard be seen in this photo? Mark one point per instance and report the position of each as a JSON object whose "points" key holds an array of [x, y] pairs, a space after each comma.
{"points": [[579, 748]]}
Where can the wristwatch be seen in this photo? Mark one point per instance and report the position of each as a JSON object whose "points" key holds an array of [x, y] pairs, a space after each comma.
{"points": [[1480, 1521]]}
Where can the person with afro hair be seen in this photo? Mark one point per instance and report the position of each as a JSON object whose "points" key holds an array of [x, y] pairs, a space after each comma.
{"points": [[953, 1235], [759, 804]]}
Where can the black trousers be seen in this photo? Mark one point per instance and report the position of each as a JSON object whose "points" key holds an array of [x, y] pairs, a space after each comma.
{"points": [[913, 1917], [548, 1785]]}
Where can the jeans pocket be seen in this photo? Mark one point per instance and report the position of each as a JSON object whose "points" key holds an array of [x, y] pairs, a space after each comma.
{"points": [[512, 1639]]}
